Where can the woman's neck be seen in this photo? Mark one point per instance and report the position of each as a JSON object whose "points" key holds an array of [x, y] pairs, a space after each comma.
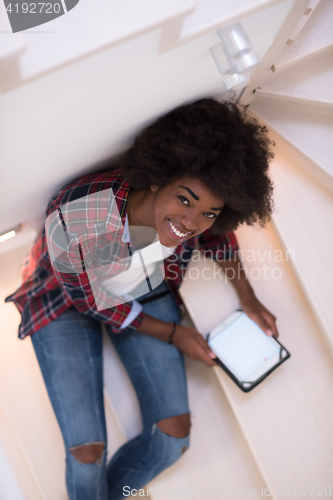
{"points": [[141, 225], [140, 208]]}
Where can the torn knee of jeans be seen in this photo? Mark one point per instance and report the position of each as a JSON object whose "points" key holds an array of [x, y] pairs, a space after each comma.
{"points": [[176, 426], [184, 448], [89, 453]]}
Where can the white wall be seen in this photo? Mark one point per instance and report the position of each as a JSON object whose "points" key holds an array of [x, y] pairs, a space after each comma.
{"points": [[63, 123]]}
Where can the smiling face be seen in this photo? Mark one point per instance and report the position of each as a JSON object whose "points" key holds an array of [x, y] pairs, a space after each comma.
{"points": [[183, 209]]}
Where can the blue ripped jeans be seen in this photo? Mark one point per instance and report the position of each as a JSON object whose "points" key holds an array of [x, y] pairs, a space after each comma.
{"points": [[69, 352]]}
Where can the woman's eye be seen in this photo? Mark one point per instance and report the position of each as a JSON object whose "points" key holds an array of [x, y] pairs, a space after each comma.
{"points": [[184, 200]]}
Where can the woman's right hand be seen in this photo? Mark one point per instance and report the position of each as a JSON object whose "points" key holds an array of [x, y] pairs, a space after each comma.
{"points": [[190, 342], [187, 339]]}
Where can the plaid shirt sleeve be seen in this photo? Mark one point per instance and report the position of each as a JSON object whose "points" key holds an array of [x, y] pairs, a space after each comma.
{"points": [[219, 246]]}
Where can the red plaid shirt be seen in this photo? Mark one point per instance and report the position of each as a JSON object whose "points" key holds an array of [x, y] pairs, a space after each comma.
{"points": [[47, 290]]}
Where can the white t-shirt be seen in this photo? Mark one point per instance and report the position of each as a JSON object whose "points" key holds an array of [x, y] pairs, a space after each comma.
{"points": [[131, 279]]}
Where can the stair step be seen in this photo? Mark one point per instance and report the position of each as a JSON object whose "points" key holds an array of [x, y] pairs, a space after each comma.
{"points": [[288, 27], [219, 456], [315, 37], [308, 128], [211, 14], [17, 479], [281, 96], [203, 464], [89, 28], [286, 420], [313, 81], [27, 404], [303, 218]]}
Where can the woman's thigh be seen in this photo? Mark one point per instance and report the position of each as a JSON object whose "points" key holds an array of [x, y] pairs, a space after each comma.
{"points": [[156, 368], [69, 352]]}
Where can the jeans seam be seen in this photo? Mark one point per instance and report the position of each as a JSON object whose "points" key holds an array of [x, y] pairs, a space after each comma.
{"points": [[95, 388], [131, 470], [63, 413]]}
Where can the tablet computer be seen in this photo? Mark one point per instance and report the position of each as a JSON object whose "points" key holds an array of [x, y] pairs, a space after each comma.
{"points": [[244, 351]]}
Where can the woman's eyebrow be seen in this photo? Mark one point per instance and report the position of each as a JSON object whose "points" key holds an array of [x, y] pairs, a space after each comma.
{"points": [[196, 197]]}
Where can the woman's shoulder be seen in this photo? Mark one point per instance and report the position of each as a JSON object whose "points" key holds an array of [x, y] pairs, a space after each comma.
{"points": [[90, 184]]}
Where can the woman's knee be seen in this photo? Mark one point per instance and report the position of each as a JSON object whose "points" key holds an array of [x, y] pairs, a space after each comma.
{"points": [[170, 439], [89, 453], [177, 426], [85, 471]]}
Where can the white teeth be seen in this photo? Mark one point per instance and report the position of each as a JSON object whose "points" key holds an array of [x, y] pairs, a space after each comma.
{"points": [[175, 230]]}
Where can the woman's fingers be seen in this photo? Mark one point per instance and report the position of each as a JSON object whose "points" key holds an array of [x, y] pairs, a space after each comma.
{"points": [[191, 342], [208, 353], [260, 315], [270, 319], [266, 323]]}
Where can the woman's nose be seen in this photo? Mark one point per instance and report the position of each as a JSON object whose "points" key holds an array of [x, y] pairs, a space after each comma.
{"points": [[189, 223]]}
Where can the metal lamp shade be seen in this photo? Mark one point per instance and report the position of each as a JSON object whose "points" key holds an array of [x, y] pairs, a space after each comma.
{"points": [[235, 40]]}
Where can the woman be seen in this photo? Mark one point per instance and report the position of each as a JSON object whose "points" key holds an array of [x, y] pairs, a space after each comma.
{"points": [[190, 178]]}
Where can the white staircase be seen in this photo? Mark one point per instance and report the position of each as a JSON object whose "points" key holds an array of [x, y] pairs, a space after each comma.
{"points": [[306, 83], [278, 437], [315, 37], [286, 419], [296, 104]]}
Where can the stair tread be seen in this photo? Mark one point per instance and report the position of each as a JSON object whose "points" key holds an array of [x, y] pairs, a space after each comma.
{"points": [[286, 419], [210, 13], [309, 128], [217, 444], [313, 80], [14, 485], [28, 407], [316, 35], [219, 455], [88, 28], [203, 464], [303, 218]]}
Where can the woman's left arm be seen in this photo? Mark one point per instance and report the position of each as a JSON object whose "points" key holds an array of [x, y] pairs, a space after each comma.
{"points": [[224, 251], [249, 303]]}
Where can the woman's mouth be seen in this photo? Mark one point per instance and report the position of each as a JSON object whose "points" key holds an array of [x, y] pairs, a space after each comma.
{"points": [[175, 232]]}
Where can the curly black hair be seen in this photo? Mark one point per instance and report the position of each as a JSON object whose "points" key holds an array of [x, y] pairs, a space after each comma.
{"points": [[215, 142]]}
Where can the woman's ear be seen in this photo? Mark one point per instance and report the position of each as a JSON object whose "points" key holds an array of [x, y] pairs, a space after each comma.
{"points": [[153, 188]]}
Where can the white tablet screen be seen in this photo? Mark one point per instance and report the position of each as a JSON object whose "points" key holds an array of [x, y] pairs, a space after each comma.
{"points": [[244, 347]]}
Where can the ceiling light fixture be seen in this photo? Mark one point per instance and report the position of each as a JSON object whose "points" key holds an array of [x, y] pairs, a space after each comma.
{"points": [[222, 60], [235, 40], [232, 56], [10, 233]]}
